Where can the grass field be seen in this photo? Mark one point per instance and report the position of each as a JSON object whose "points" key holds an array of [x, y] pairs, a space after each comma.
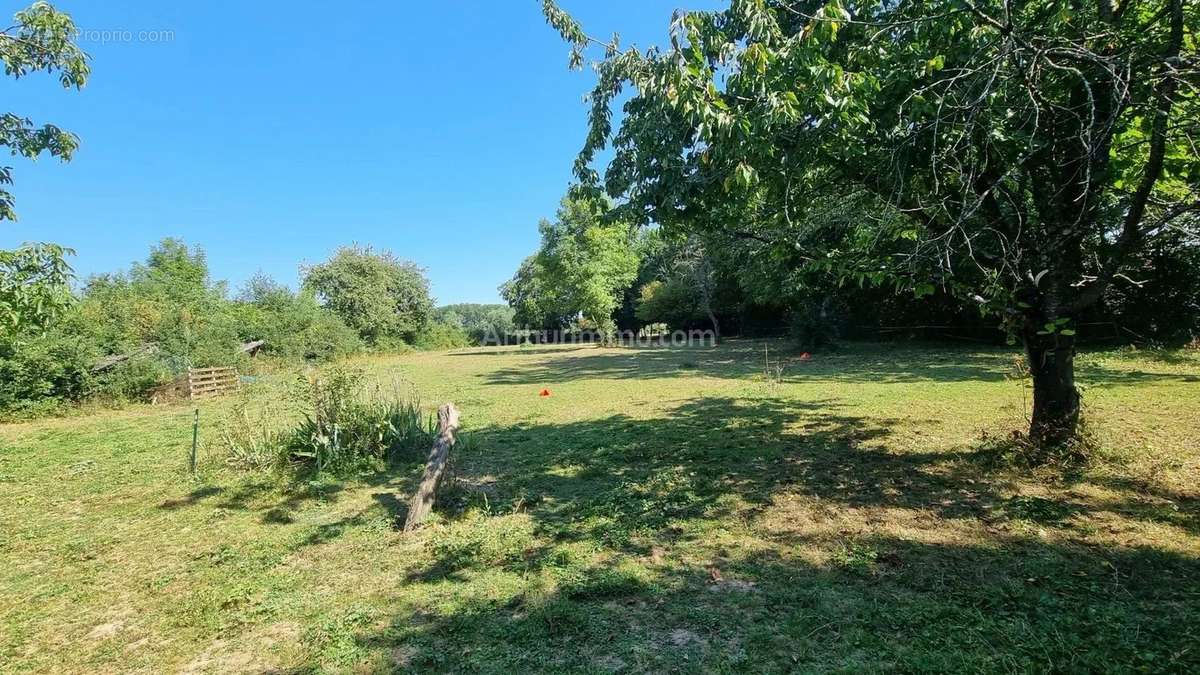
{"points": [[673, 509]]}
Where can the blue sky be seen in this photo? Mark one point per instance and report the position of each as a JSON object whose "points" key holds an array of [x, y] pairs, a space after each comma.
{"points": [[269, 133]]}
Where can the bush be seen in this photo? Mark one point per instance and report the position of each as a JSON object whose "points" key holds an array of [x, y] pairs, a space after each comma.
{"points": [[325, 339], [483, 324], [441, 336], [391, 345], [293, 325], [42, 372], [248, 432], [133, 380], [346, 429]]}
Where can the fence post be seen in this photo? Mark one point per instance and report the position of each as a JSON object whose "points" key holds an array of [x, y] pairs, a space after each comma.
{"points": [[195, 442]]}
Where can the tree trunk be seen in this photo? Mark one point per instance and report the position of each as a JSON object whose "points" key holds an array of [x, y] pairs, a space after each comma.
{"points": [[716, 326], [1055, 398], [422, 501]]}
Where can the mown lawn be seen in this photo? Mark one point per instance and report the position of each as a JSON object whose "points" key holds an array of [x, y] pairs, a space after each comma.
{"points": [[670, 509]]}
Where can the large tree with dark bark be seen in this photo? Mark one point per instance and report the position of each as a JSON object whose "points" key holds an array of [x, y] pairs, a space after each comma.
{"points": [[1018, 153]]}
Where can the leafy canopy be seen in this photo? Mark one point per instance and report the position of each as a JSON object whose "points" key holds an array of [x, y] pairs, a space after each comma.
{"points": [[34, 286], [585, 263], [41, 39], [960, 144], [375, 293], [34, 279]]}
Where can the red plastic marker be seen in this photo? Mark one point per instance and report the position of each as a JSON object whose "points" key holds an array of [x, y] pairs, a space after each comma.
{"points": [[806, 357], [545, 392]]}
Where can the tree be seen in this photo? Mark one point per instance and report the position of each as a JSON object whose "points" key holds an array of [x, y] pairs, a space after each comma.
{"points": [[591, 258], [377, 294], [168, 301], [1019, 154], [685, 287], [483, 323], [536, 302], [584, 265], [292, 324], [34, 279]]}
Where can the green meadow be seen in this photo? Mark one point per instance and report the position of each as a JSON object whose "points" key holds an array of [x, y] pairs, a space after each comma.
{"points": [[725, 509]]}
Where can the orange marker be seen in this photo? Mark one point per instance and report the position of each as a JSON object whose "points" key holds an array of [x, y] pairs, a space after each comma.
{"points": [[545, 392], [806, 357]]}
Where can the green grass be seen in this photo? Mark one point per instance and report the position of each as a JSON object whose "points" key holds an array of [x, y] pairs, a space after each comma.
{"points": [[664, 509]]}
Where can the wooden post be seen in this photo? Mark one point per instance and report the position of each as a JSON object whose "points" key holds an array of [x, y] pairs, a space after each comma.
{"points": [[195, 442], [422, 500]]}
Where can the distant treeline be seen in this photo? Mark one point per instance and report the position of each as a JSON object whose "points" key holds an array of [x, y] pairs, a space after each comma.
{"points": [[123, 336], [594, 271]]}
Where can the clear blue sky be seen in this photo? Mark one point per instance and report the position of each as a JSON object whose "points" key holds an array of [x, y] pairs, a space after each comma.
{"points": [[269, 133]]}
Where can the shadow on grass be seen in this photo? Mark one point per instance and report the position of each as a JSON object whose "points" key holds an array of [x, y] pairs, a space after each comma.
{"points": [[634, 491], [852, 362], [1014, 604], [278, 498], [1098, 376], [613, 477], [741, 358]]}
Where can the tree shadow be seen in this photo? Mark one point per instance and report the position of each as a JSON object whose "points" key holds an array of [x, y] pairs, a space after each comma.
{"points": [[1094, 375], [1014, 604], [851, 362], [194, 497], [742, 357], [617, 476], [992, 579], [518, 351], [279, 498]]}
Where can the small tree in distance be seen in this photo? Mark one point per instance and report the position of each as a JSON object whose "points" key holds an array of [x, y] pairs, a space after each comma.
{"points": [[377, 294]]}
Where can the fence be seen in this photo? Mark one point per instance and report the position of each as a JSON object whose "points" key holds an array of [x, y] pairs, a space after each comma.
{"points": [[204, 382]]}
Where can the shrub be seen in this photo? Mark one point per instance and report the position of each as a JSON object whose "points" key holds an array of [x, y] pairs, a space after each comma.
{"points": [[391, 345], [293, 325], [346, 429], [483, 324], [440, 336], [43, 371], [133, 379], [249, 433]]}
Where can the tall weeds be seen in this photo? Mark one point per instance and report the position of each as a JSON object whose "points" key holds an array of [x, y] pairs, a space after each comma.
{"points": [[346, 427], [343, 426]]}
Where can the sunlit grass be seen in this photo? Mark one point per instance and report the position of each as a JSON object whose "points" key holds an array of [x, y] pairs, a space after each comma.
{"points": [[662, 508]]}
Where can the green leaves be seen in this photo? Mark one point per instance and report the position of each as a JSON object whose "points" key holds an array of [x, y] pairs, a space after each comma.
{"points": [[379, 295], [963, 129], [1058, 326], [743, 176], [34, 285], [584, 264], [42, 39]]}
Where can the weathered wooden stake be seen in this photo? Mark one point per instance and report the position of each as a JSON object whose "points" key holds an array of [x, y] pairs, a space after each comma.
{"points": [[422, 501], [195, 442]]}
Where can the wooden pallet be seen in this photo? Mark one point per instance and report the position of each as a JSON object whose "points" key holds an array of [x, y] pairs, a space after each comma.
{"points": [[205, 382]]}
